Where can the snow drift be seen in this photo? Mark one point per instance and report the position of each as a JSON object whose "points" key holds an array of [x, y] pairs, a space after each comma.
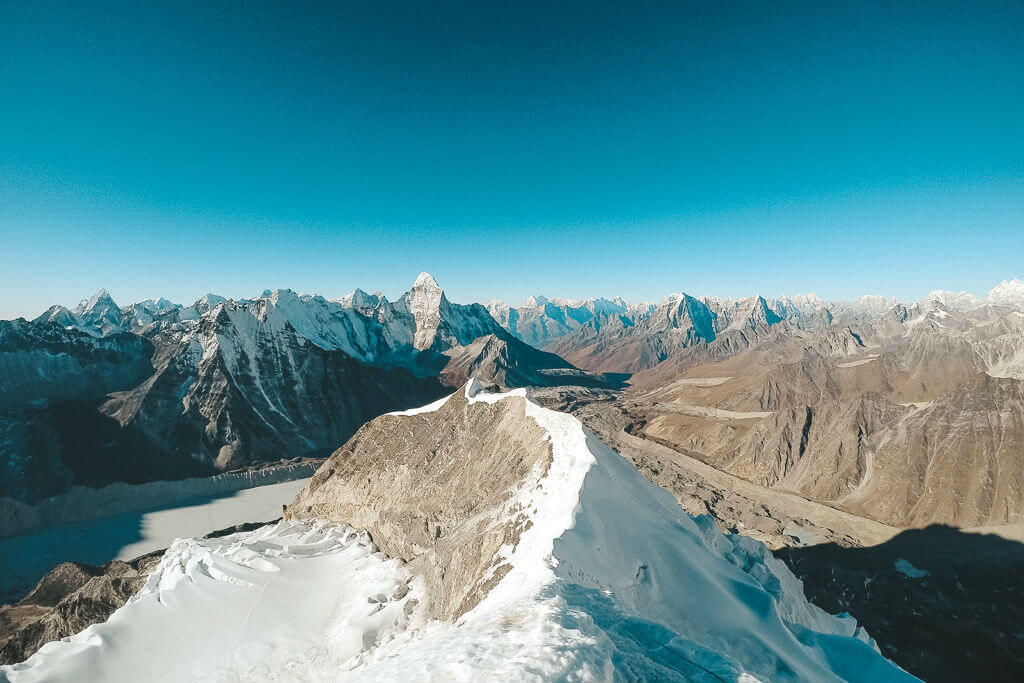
{"points": [[581, 570]]}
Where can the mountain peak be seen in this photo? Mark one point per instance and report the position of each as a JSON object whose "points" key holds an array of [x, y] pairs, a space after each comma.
{"points": [[424, 302], [425, 281], [100, 298], [953, 301], [362, 301], [100, 303], [1008, 293]]}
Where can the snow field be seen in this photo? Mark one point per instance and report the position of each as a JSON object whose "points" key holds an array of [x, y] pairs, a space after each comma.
{"points": [[611, 580]]}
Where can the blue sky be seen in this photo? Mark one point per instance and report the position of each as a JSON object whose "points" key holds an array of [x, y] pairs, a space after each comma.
{"points": [[571, 150]]}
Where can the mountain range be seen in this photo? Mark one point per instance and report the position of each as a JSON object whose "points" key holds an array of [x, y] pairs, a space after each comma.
{"points": [[793, 420], [804, 394], [159, 390]]}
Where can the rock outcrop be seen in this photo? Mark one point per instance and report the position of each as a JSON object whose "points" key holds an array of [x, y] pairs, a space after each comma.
{"points": [[524, 528], [68, 599], [436, 489], [906, 426], [74, 596]]}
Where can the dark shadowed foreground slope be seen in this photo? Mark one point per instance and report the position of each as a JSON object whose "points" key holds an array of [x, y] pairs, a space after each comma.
{"points": [[947, 605]]}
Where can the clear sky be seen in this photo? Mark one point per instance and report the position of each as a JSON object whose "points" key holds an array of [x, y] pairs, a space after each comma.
{"points": [[563, 148]]}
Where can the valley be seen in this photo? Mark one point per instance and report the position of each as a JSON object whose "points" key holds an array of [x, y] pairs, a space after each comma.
{"points": [[820, 429]]}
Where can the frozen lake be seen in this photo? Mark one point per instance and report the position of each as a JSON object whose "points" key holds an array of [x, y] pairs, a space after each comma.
{"points": [[24, 559]]}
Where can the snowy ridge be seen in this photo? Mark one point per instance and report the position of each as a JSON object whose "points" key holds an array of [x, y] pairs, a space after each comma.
{"points": [[611, 580], [294, 600]]}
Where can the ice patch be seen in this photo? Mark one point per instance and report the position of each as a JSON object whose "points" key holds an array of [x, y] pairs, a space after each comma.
{"points": [[904, 567]]}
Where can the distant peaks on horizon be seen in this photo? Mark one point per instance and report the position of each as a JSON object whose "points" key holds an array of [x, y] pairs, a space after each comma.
{"points": [[1006, 292]]}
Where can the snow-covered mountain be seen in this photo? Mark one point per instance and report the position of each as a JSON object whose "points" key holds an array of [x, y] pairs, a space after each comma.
{"points": [[613, 336], [540, 320], [223, 383], [559, 562], [953, 301], [156, 389], [1008, 293]]}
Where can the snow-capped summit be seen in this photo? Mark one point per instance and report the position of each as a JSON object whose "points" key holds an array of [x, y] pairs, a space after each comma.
{"points": [[424, 302], [99, 304], [59, 315], [208, 302], [425, 281], [1008, 293], [100, 299], [156, 304], [753, 313], [953, 301], [437, 324], [802, 303], [874, 304], [361, 301], [100, 313]]}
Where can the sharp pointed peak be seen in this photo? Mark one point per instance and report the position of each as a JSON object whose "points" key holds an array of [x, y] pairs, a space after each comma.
{"points": [[101, 296], [425, 281]]}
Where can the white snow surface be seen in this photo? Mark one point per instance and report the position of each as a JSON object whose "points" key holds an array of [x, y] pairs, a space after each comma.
{"points": [[953, 301], [875, 304], [1008, 293], [610, 581], [25, 558]]}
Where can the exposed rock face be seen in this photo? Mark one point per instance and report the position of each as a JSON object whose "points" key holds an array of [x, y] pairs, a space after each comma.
{"points": [[230, 390], [680, 323], [511, 363], [44, 362], [436, 489], [604, 335], [239, 390], [163, 391], [611, 336], [497, 504], [66, 600], [540, 321], [74, 596], [900, 419], [424, 302], [100, 313], [45, 371]]}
